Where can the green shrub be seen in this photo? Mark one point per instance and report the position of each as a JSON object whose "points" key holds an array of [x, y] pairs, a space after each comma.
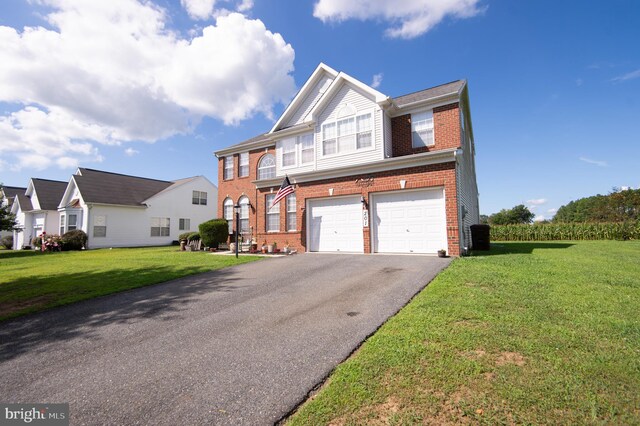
{"points": [[193, 236], [184, 236], [74, 240], [214, 232], [36, 242], [7, 242]]}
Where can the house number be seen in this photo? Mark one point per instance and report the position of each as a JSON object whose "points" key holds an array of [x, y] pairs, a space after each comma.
{"points": [[365, 218]]}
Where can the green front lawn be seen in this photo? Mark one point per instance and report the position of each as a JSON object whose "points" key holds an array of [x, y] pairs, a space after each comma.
{"points": [[32, 281], [528, 333]]}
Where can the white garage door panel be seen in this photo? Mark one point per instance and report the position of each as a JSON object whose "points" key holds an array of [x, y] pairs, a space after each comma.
{"points": [[409, 222], [335, 224]]}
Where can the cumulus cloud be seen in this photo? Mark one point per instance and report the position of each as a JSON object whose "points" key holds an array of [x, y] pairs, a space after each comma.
{"points": [[130, 152], [111, 72], [539, 218], [537, 201], [408, 18], [206, 9], [377, 80], [594, 162], [552, 211]]}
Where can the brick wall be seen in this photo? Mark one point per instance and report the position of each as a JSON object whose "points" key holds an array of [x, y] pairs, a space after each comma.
{"points": [[438, 175], [446, 124]]}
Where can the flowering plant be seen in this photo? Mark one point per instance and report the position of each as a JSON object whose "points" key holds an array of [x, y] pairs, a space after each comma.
{"points": [[51, 242]]}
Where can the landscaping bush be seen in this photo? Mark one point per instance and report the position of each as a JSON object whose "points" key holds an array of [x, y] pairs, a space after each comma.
{"points": [[7, 242], [214, 232], [193, 236], [49, 242], [74, 240], [184, 236], [36, 242], [566, 231]]}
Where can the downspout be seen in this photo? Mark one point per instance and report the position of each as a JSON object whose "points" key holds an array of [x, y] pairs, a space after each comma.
{"points": [[89, 206]]}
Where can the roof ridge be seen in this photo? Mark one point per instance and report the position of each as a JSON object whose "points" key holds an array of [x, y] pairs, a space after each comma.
{"points": [[50, 180], [122, 174], [429, 88]]}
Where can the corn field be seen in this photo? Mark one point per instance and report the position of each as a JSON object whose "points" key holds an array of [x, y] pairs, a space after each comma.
{"points": [[566, 231]]}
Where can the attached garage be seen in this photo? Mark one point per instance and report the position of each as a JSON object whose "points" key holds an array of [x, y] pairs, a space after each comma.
{"points": [[335, 225], [409, 221]]}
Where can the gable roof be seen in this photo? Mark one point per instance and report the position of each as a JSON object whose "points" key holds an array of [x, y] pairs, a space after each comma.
{"points": [[97, 186], [11, 191], [451, 88], [49, 192], [24, 202]]}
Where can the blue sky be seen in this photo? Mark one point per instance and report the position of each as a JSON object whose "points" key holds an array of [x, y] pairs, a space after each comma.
{"points": [[153, 88]]}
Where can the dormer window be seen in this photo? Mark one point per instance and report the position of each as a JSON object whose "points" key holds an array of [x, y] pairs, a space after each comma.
{"points": [[422, 129], [267, 167]]}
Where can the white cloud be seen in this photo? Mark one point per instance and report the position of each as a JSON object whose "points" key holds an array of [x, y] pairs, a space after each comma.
{"points": [[539, 218], [130, 152], [110, 72], [245, 6], [537, 201], [628, 76], [377, 80], [552, 211], [199, 9], [595, 162], [409, 18]]}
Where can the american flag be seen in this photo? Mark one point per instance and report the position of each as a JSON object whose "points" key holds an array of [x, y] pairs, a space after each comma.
{"points": [[285, 189]]}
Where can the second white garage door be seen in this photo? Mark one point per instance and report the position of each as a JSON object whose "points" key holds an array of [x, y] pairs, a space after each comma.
{"points": [[335, 224], [409, 222]]}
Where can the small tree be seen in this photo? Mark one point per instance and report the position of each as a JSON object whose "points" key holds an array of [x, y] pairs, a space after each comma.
{"points": [[214, 232], [518, 214], [7, 220]]}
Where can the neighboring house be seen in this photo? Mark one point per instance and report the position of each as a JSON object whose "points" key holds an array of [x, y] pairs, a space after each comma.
{"points": [[36, 210], [371, 173], [7, 195], [126, 211]]}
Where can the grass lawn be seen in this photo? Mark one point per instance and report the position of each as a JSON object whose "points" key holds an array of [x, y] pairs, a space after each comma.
{"points": [[528, 333], [33, 281]]}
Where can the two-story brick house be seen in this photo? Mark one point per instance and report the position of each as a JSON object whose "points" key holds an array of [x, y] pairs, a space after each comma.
{"points": [[372, 174]]}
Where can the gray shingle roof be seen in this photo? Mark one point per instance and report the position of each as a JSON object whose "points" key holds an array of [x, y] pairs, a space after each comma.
{"points": [[11, 191], [433, 92], [49, 192], [25, 202], [101, 187], [254, 139]]}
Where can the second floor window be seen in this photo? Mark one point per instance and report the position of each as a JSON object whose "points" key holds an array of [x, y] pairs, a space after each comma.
{"points": [[289, 152], [228, 167], [422, 129], [243, 165], [267, 167], [347, 135], [199, 197], [306, 148]]}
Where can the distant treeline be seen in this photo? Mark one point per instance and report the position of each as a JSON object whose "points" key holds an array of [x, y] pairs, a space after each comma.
{"points": [[619, 206]]}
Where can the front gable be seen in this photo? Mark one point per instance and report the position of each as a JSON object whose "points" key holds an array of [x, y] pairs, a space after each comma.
{"points": [[32, 194], [72, 196]]}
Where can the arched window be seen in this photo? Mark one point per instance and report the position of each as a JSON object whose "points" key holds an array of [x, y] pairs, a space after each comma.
{"points": [[267, 167], [227, 211], [244, 214]]}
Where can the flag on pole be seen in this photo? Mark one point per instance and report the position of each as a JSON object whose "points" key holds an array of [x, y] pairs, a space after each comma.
{"points": [[285, 189]]}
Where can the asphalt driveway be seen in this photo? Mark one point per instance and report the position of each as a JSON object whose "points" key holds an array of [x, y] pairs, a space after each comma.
{"points": [[243, 345]]}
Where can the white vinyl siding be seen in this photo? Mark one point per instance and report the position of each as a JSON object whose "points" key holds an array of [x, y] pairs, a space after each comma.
{"points": [[291, 213], [228, 167], [272, 222], [267, 167], [349, 95], [422, 129], [243, 165], [227, 212], [160, 227], [309, 102]]}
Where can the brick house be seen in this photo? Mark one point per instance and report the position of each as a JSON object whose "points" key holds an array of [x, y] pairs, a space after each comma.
{"points": [[372, 174]]}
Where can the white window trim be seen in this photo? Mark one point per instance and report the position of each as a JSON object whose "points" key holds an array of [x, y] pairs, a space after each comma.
{"points": [[225, 168], [287, 212], [271, 212], [275, 167], [433, 123], [226, 203], [298, 151], [240, 165], [355, 150]]}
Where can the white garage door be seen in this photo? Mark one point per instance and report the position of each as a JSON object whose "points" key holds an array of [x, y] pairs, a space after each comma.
{"points": [[335, 224], [409, 222]]}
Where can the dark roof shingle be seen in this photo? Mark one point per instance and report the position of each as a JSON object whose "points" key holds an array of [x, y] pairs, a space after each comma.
{"points": [[11, 191], [25, 202], [49, 192], [433, 92], [101, 187]]}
